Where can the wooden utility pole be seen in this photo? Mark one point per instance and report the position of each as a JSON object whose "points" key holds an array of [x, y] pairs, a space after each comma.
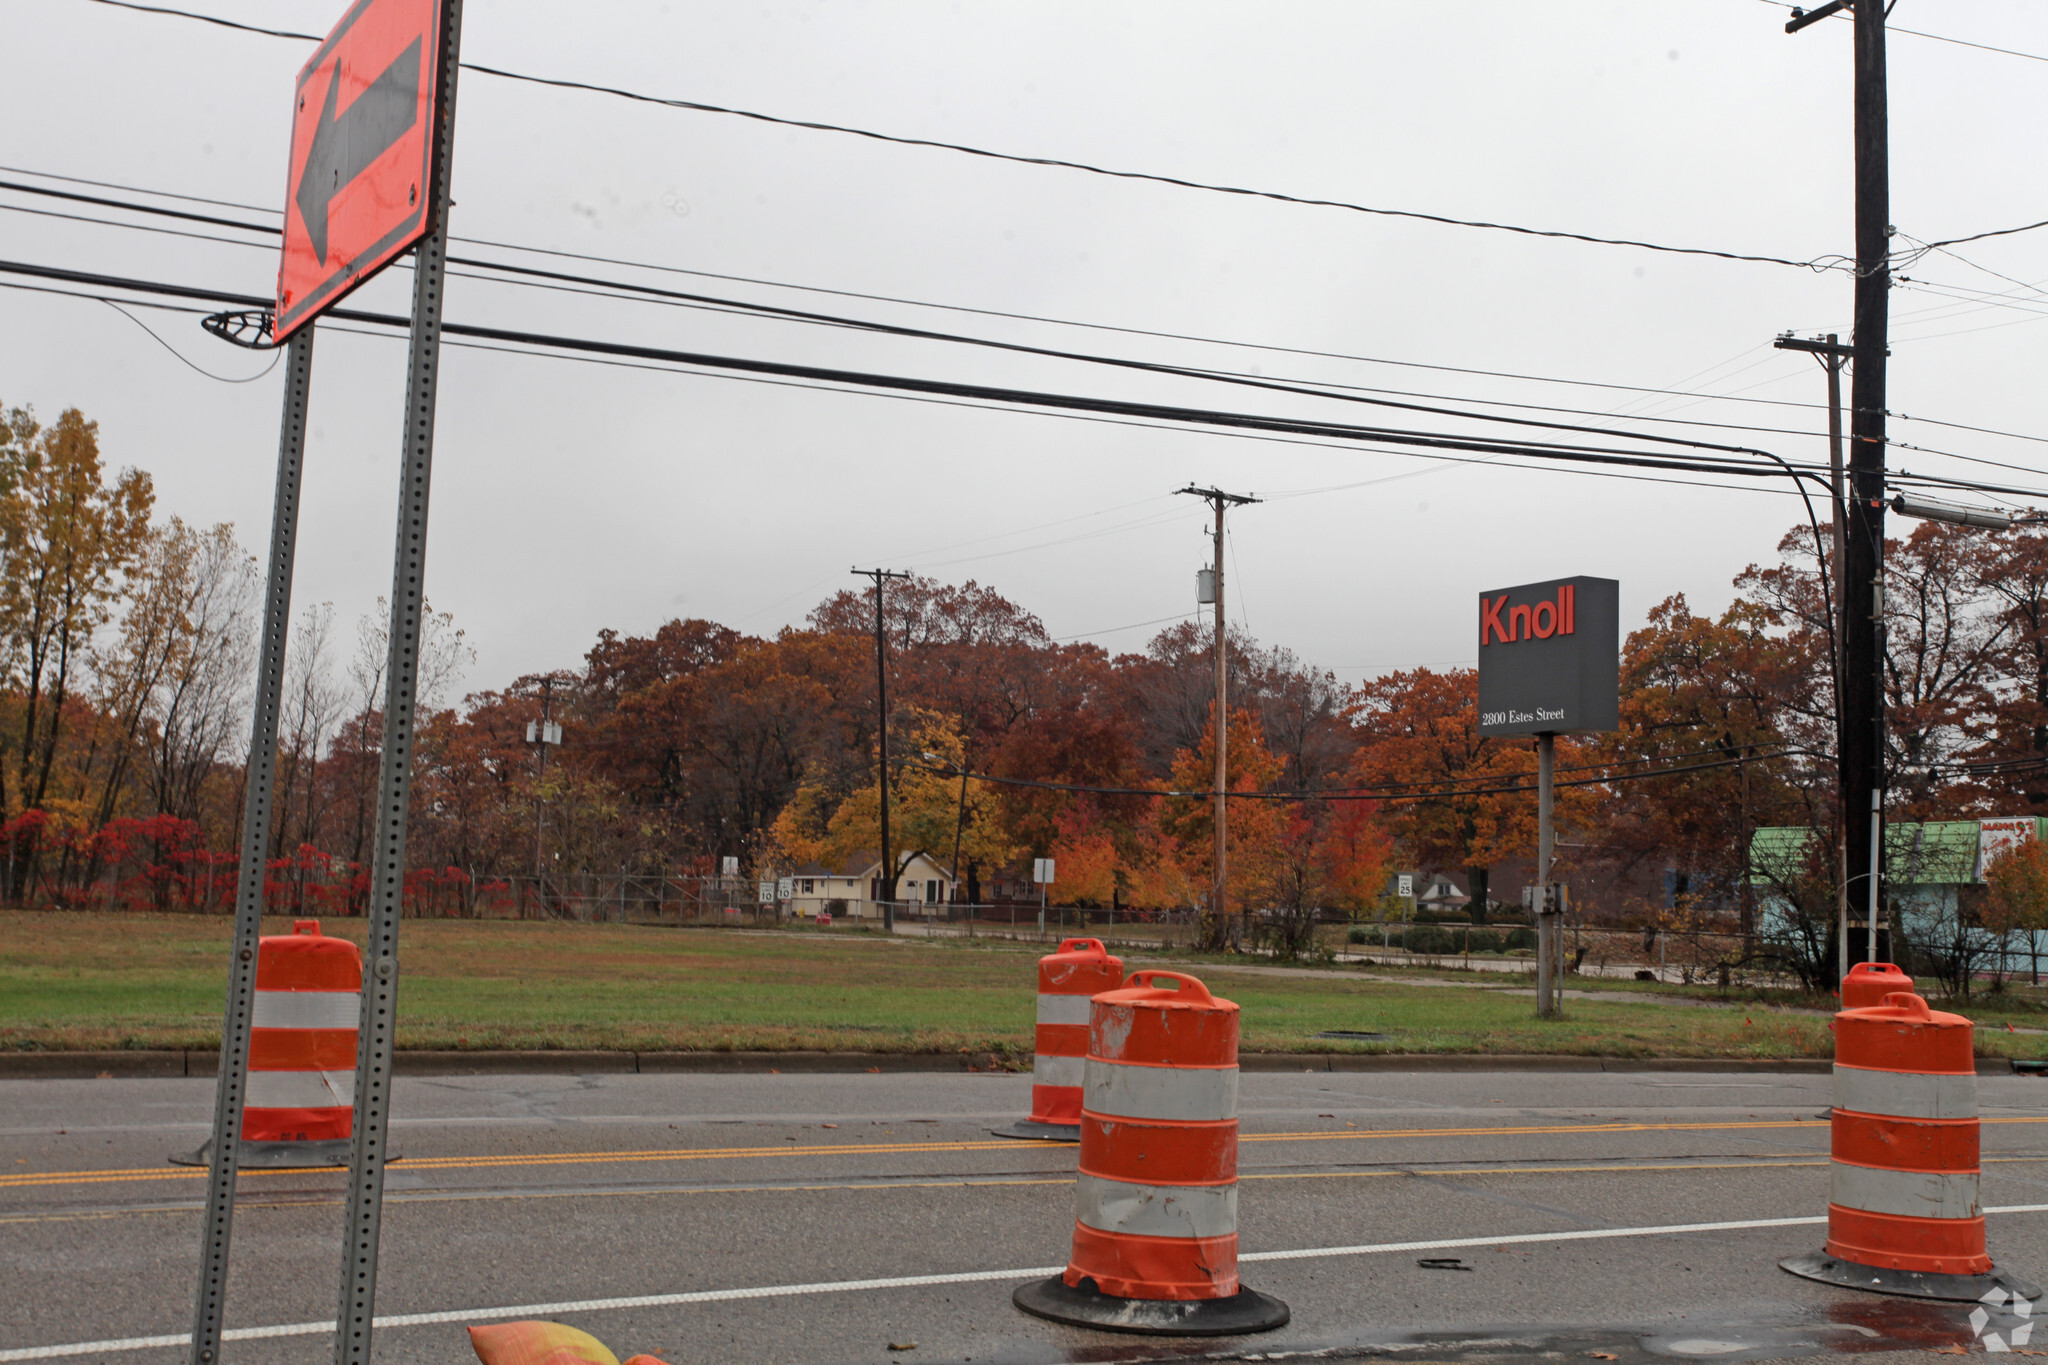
{"points": [[1226, 932], [1861, 695], [1832, 354], [888, 878]]}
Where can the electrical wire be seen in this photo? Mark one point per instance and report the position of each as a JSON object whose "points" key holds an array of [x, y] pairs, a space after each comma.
{"points": [[1818, 263], [1442, 461], [914, 333], [1347, 794], [1435, 444], [1113, 630], [626, 291], [218, 378], [1069, 322]]}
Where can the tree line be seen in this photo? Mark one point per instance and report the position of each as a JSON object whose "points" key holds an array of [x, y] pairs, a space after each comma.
{"points": [[129, 643]]}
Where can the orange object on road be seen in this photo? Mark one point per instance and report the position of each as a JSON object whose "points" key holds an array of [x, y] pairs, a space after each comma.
{"points": [[302, 1040], [1067, 978], [1903, 1210], [1868, 983], [299, 1108], [1155, 1200]]}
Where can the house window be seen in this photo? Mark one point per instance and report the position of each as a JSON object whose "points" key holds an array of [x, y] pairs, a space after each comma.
{"points": [[931, 892], [807, 886]]}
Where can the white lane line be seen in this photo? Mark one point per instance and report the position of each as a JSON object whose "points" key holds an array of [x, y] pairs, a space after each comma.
{"points": [[526, 1310]]}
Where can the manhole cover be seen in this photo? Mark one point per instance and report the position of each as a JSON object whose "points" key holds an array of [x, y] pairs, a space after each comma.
{"points": [[1352, 1035]]}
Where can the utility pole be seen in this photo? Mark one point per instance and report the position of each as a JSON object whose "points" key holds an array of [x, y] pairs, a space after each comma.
{"points": [[1861, 755], [1831, 353], [1226, 933], [541, 734], [882, 735]]}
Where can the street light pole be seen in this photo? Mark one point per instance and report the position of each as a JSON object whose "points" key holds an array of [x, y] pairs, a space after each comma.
{"points": [[1225, 932]]}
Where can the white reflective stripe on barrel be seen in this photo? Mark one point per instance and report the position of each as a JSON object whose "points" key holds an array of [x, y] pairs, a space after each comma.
{"points": [[1063, 1009], [1905, 1094], [1155, 1210], [1909, 1194], [307, 1009], [301, 1089], [1160, 1092], [1057, 1070]]}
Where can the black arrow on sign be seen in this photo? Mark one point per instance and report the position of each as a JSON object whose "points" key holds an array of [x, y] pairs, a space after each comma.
{"points": [[344, 147]]}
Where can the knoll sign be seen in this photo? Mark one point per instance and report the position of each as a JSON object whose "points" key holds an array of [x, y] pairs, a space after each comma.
{"points": [[1549, 657]]}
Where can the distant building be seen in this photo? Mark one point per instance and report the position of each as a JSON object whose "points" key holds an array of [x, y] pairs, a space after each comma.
{"points": [[858, 882], [1929, 868]]}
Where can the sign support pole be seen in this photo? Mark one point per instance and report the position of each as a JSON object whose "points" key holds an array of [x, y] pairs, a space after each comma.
{"points": [[394, 791], [230, 1092], [1549, 943]]}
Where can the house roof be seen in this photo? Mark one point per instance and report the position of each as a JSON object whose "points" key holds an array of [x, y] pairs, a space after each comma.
{"points": [[1917, 853], [863, 864]]}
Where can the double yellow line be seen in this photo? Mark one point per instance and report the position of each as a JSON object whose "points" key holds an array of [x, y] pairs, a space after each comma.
{"points": [[31, 1179]]}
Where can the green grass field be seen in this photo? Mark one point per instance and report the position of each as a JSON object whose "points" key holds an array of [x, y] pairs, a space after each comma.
{"points": [[92, 981]]}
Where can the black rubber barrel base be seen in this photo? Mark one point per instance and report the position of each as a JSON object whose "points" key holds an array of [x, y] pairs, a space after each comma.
{"points": [[1244, 1312], [1040, 1132], [276, 1156], [1914, 1284]]}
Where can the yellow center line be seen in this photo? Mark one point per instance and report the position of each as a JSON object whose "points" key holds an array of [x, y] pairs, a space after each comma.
{"points": [[30, 1179], [962, 1182]]}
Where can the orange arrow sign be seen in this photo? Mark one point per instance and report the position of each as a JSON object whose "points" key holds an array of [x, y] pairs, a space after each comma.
{"points": [[362, 139]]}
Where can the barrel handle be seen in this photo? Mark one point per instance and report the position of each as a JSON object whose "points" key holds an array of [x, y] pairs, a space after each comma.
{"points": [[1911, 1005], [1082, 945], [1189, 987]]}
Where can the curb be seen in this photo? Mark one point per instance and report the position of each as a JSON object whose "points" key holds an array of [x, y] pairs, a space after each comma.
{"points": [[134, 1064]]}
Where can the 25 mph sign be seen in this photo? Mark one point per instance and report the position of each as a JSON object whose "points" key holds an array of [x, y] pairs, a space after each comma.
{"points": [[362, 137]]}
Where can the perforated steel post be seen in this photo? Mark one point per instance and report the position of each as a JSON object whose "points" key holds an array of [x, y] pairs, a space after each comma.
{"points": [[394, 787], [231, 1091]]}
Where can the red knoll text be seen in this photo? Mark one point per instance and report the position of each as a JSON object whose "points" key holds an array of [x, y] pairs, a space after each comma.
{"points": [[1500, 622]]}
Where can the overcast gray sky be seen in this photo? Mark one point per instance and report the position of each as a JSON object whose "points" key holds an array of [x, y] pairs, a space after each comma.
{"points": [[570, 497]]}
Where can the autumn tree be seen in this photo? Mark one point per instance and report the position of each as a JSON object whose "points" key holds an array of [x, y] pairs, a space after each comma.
{"points": [[2016, 898], [1419, 739], [1252, 828], [67, 537]]}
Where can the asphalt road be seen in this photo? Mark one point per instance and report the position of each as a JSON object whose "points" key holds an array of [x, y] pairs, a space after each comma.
{"points": [[767, 1198]]}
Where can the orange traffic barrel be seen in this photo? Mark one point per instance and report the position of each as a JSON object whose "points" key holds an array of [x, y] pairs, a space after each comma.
{"points": [[1903, 1211], [1868, 983], [299, 1105], [1155, 1199], [1081, 968]]}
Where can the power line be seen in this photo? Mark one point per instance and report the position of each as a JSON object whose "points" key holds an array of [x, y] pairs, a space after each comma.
{"points": [[218, 378], [627, 291], [1354, 793], [1147, 414], [1059, 322], [1422, 440], [1235, 427], [922, 334], [989, 312], [1936, 37], [1818, 263]]}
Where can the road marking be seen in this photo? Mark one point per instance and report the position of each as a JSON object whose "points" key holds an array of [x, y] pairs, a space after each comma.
{"points": [[457, 1196], [30, 1178], [460, 1163], [528, 1310]]}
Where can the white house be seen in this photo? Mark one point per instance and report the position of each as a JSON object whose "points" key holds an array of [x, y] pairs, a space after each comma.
{"points": [[858, 883]]}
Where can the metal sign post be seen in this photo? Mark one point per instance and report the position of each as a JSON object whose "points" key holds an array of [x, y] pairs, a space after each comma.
{"points": [[1549, 664], [230, 1092], [394, 789]]}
